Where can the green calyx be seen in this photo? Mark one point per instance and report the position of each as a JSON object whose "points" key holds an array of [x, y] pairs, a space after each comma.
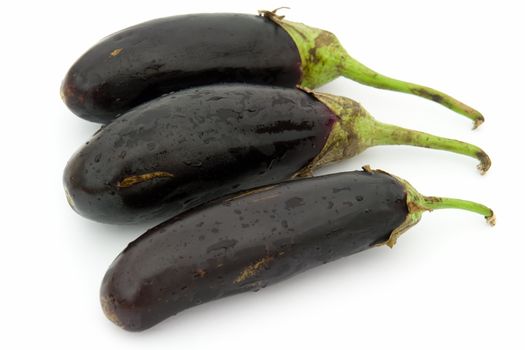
{"points": [[321, 53], [357, 130], [323, 59], [417, 204]]}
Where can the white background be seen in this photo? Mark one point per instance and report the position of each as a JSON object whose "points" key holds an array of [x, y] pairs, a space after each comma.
{"points": [[451, 282]]}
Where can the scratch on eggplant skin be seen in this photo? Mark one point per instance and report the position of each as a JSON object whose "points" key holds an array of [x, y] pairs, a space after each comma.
{"points": [[136, 179], [265, 197], [249, 192], [116, 52], [253, 269]]}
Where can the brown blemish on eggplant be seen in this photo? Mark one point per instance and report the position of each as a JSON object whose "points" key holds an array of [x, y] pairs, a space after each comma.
{"points": [[253, 269], [135, 179], [116, 52], [107, 307], [199, 273], [70, 94]]}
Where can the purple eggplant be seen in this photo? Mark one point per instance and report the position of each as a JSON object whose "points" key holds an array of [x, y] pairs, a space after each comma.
{"points": [[190, 147], [147, 60], [248, 242]]}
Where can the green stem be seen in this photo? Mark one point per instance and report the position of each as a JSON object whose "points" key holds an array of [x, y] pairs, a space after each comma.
{"points": [[355, 70], [432, 203], [357, 130], [323, 59], [417, 204], [385, 134]]}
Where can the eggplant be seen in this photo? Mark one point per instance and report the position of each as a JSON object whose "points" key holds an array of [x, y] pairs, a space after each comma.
{"points": [[189, 147], [164, 55], [259, 238]]}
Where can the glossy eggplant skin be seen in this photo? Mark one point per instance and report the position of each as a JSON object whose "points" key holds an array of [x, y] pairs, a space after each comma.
{"points": [[145, 61], [195, 145], [249, 242]]}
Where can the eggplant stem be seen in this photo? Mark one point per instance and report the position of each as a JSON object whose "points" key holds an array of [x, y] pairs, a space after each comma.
{"points": [[386, 134], [432, 203], [323, 59], [417, 204], [357, 130], [356, 71]]}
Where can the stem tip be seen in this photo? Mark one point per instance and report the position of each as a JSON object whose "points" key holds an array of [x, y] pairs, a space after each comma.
{"points": [[485, 162], [478, 121], [491, 219]]}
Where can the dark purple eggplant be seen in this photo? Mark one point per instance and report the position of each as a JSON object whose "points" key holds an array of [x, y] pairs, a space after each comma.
{"points": [[147, 60], [259, 238], [190, 147]]}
